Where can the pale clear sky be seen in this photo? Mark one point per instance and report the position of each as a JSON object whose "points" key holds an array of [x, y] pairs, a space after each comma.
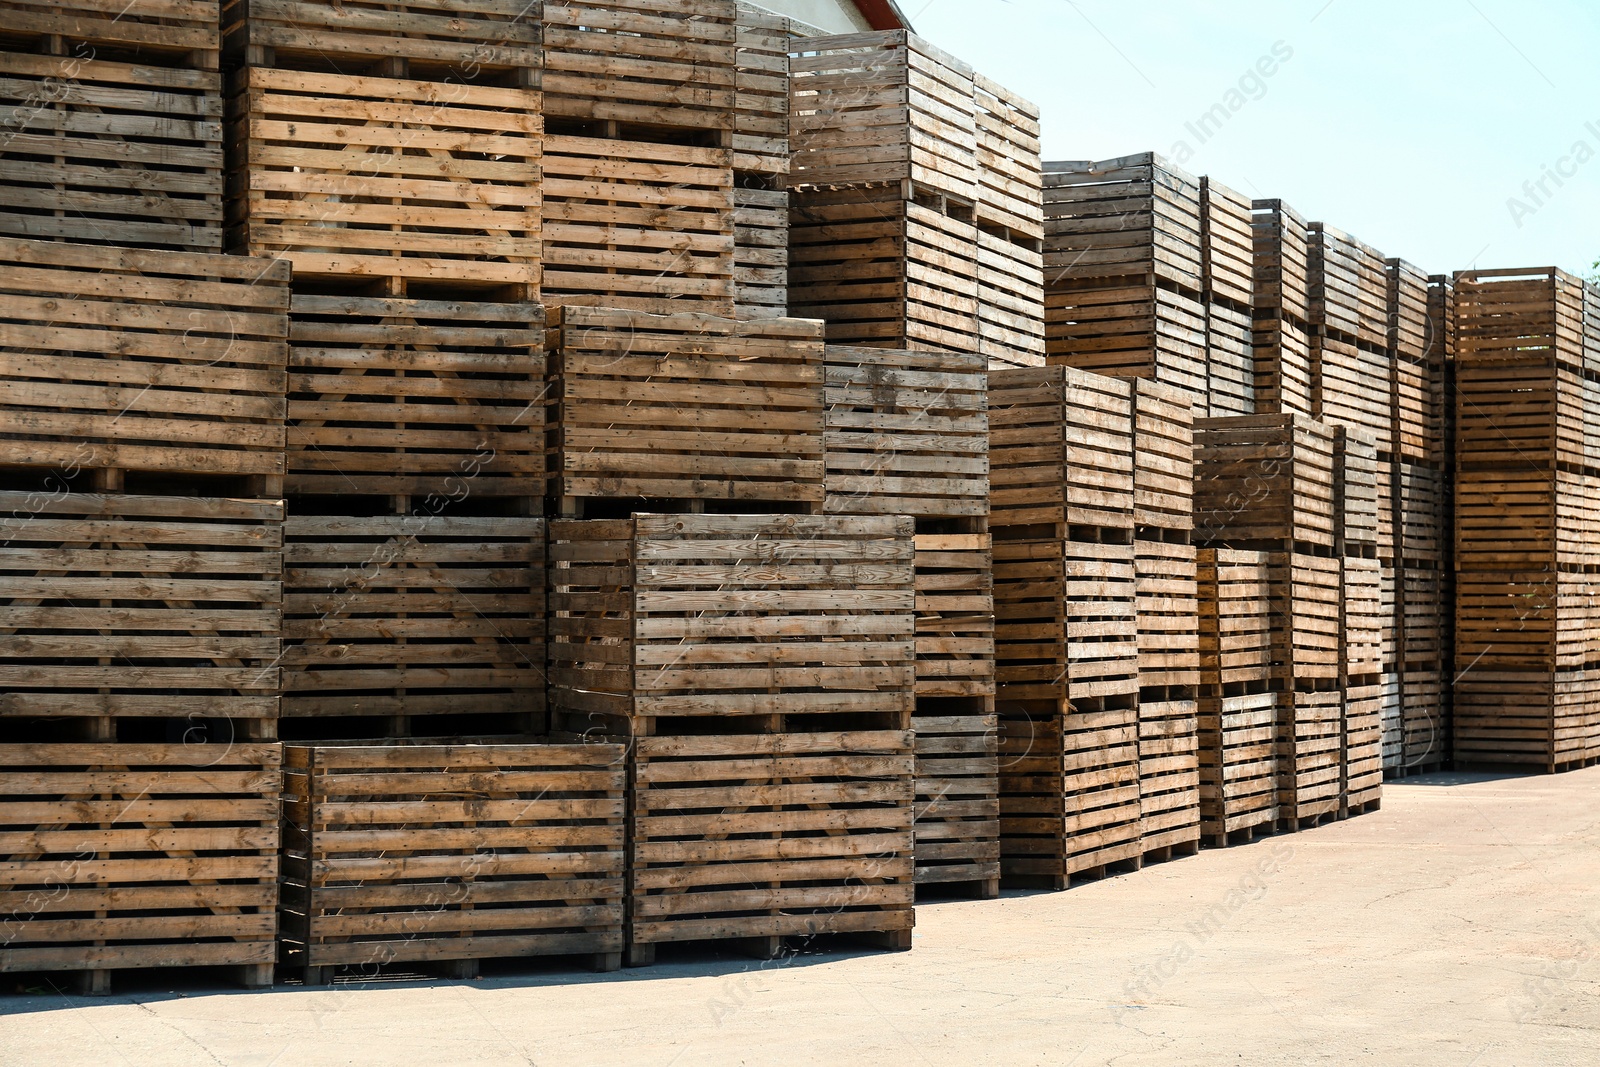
{"points": [[1408, 123]]}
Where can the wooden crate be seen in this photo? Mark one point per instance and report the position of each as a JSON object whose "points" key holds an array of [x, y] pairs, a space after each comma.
{"points": [[1530, 718], [105, 152], [1426, 713], [1426, 608], [1236, 619], [1010, 175], [1441, 338], [882, 107], [1230, 361], [1132, 217], [1283, 371], [761, 87], [1132, 330], [1264, 479], [139, 855], [955, 618], [1361, 651], [1168, 614], [710, 620], [1515, 315], [1238, 754], [760, 252], [432, 399], [168, 33], [639, 226], [443, 40], [1227, 245], [1348, 286], [1391, 606], [1424, 498], [1362, 785], [387, 178], [1504, 620], [1577, 521], [427, 853], [1307, 639], [1061, 449], [686, 407], [885, 269], [1392, 722], [906, 433], [1011, 315], [1282, 262], [1169, 774], [771, 835], [642, 62], [1419, 411], [1408, 302], [1354, 387], [1310, 752], [1163, 458], [1518, 414], [1356, 493], [142, 607], [142, 359], [402, 616], [1509, 521]]}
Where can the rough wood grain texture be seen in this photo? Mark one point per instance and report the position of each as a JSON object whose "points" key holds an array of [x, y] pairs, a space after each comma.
{"points": [[138, 607], [1010, 172], [761, 82], [141, 359], [401, 853], [413, 615], [138, 855], [761, 252], [1132, 217], [1264, 479], [1227, 232], [374, 177], [1348, 286], [1282, 262], [178, 34], [431, 399], [686, 407], [459, 41]]}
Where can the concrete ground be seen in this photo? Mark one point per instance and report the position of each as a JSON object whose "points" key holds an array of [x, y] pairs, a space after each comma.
{"points": [[1459, 926]]}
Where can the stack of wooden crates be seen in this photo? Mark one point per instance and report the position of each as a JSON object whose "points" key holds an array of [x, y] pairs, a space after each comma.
{"points": [[1528, 478], [915, 216], [141, 476]]}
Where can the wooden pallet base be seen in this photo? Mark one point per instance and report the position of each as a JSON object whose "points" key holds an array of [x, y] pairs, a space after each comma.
{"points": [[1364, 808], [100, 981], [458, 970], [772, 947], [966, 888], [1171, 852], [1308, 822], [1242, 835]]}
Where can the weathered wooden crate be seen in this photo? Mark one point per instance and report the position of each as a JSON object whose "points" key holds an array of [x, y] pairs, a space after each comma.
{"points": [[1061, 449], [431, 399], [1361, 652], [1441, 338], [642, 62], [1163, 458], [906, 433], [1168, 614], [1419, 411], [760, 252], [1391, 714], [771, 835], [406, 616], [686, 407], [1354, 387], [1356, 500], [1169, 774], [1511, 522], [1264, 479], [428, 853], [1504, 620], [1236, 619], [1361, 665], [1307, 637], [1408, 302], [105, 152], [1282, 262], [1427, 717], [386, 178], [1227, 245], [884, 269], [1132, 217], [638, 225], [1238, 756], [1425, 609], [1577, 521], [882, 107], [1069, 784], [141, 359], [1348, 286], [1391, 638], [142, 607], [955, 618], [168, 33], [1519, 414], [1533, 718], [1362, 785], [1283, 371], [139, 855], [1011, 315], [442, 40], [1130, 330], [1230, 361], [1310, 751], [1536, 313], [1010, 174], [714, 621], [761, 84]]}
